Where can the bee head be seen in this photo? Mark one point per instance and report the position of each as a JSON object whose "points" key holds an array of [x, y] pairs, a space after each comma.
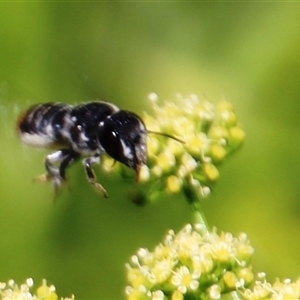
{"points": [[123, 135]]}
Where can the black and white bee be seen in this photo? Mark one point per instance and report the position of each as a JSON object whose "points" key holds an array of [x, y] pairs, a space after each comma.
{"points": [[89, 130]]}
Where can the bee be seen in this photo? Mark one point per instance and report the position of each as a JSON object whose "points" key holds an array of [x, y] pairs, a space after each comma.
{"points": [[88, 130]]}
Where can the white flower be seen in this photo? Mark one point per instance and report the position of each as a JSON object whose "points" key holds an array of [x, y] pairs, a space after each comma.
{"points": [[185, 280]]}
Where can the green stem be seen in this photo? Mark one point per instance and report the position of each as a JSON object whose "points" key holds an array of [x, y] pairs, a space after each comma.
{"points": [[198, 215], [193, 194]]}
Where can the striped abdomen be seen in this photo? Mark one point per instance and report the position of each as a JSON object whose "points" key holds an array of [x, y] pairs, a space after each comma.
{"points": [[41, 125], [58, 124]]}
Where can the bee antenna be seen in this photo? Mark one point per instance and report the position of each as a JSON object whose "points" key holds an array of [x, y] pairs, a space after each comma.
{"points": [[166, 135]]}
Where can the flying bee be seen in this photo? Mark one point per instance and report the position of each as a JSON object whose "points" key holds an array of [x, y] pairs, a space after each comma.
{"points": [[88, 130]]}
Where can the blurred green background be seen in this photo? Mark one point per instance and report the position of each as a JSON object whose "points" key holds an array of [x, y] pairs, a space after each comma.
{"points": [[120, 52]]}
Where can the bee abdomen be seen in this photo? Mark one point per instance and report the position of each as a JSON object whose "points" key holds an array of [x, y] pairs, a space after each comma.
{"points": [[41, 124]]}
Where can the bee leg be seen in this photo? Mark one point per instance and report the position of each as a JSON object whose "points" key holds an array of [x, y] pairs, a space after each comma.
{"points": [[88, 162], [68, 158], [57, 173]]}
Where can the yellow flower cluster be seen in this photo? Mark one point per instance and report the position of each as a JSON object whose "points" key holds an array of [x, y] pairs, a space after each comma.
{"points": [[208, 134], [194, 263], [265, 290], [12, 291]]}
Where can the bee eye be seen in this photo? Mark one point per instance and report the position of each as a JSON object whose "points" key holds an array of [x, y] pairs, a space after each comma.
{"points": [[112, 136], [112, 144], [136, 139]]}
